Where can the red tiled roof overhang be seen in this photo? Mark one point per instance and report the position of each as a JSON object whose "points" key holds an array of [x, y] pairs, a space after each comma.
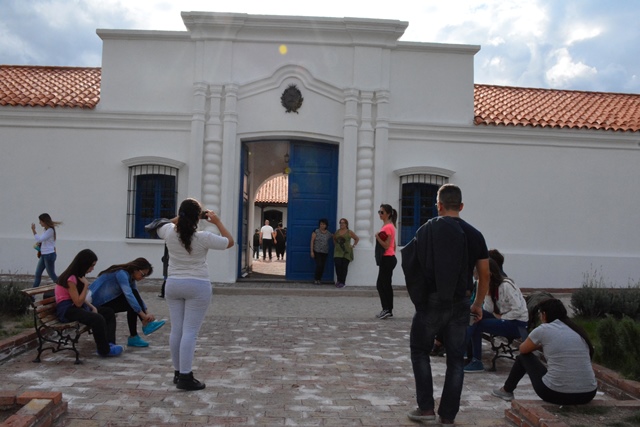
{"points": [[517, 106], [31, 86]]}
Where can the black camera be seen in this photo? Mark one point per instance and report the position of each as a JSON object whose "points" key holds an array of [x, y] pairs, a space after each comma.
{"points": [[203, 214]]}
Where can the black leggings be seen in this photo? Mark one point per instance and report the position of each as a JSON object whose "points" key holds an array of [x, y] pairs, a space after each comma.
{"points": [[120, 305], [531, 365], [321, 260], [102, 324], [383, 284]]}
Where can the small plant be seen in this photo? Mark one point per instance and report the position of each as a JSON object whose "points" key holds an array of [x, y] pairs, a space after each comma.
{"points": [[596, 299], [12, 300]]}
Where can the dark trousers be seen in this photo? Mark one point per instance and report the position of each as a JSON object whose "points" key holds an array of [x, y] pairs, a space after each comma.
{"points": [[383, 284], [102, 324], [120, 305], [321, 260], [267, 245], [530, 364], [451, 320], [342, 268]]}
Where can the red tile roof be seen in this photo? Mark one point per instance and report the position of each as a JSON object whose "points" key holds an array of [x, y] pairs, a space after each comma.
{"points": [[518, 106], [494, 105], [274, 191], [31, 86]]}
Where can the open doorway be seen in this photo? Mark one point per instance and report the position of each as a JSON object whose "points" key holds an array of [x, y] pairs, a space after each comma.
{"points": [[310, 170]]}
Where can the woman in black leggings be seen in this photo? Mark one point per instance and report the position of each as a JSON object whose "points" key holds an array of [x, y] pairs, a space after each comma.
{"points": [[386, 259]]}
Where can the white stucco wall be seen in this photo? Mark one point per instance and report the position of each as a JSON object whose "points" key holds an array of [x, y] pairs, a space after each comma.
{"points": [[557, 203]]}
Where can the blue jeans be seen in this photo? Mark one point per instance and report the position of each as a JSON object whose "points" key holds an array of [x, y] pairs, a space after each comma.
{"points": [[451, 320], [47, 262], [490, 324]]}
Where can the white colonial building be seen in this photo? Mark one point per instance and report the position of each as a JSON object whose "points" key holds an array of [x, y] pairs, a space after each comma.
{"points": [[356, 117]]}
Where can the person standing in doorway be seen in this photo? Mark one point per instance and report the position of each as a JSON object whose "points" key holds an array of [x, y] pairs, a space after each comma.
{"points": [[438, 265], [320, 248], [46, 242], [343, 251], [280, 241], [266, 239], [256, 244], [385, 252]]}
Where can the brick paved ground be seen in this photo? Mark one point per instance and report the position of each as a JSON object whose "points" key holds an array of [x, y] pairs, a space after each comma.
{"points": [[271, 355]]}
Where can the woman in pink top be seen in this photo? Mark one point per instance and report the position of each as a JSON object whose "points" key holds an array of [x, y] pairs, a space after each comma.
{"points": [[386, 258], [72, 305]]}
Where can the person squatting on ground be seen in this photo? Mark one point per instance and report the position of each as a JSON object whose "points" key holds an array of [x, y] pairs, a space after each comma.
{"points": [[438, 266], [320, 248], [71, 304], [188, 290], [116, 288], [46, 246], [504, 313], [343, 251], [568, 378], [385, 253], [256, 244]]}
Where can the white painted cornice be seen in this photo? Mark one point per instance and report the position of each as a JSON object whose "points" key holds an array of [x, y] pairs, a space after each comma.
{"points": [[153, 160], [523, 136], [424, 170], [106, 34], [464, 49], [311, 30]]}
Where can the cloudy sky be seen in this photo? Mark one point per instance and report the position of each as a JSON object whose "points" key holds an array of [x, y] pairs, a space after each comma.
{"points": [[563, 44]]}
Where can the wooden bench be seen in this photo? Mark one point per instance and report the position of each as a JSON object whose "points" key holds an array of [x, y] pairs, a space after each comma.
{"points": [[502, 347], [52, 334]]}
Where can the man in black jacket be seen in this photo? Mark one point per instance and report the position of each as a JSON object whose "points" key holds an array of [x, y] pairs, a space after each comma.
{"points": [[438, 266]]}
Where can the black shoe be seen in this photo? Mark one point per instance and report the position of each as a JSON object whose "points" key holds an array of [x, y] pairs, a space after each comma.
{"points": [[160, 295], [176, 374], [187, 382]]}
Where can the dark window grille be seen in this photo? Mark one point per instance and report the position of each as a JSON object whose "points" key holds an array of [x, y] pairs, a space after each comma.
{"points": [[152, 194], [417, 204]]}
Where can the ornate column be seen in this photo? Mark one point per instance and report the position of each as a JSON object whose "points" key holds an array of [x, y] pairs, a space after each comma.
{"points": [[228, 159], [197, 140], [212, 167], [364, 170]]}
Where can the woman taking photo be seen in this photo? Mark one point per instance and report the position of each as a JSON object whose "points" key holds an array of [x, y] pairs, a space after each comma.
{"points": [[71, 305], [386, 258], [116, 288], [569, 378], [504, 313], [188, 289], [47, 252], [343, 251]]}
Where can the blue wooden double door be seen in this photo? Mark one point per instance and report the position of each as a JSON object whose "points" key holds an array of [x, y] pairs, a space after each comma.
{"points": [[313, 192]]}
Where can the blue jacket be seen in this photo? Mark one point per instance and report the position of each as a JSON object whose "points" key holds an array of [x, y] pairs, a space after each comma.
{"points": [[110, 286]]}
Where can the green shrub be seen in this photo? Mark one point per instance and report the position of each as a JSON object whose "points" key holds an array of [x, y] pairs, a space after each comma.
{"points": [[12, 301], [629, 332], [596, 299], [609, 351]]}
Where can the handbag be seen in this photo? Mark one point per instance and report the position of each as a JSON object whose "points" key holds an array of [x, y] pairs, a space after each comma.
{"points": [[37, 248]]}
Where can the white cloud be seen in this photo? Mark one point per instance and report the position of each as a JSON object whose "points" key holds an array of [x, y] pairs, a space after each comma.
{"points": [[581, 33], [565, 70]]}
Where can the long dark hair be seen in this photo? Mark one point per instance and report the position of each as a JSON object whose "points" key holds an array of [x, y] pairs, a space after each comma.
{"points": [[188, 218], [393, 214], [78, 267], [46, 219], [130, 267], [554, 309], [495, 280]]}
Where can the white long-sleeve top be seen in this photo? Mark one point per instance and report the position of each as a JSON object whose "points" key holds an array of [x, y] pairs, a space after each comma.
{"points": [[511, 303], [47, 241]]}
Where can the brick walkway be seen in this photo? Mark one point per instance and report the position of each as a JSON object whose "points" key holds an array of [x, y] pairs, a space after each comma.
{"points": [[271, 355]]}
